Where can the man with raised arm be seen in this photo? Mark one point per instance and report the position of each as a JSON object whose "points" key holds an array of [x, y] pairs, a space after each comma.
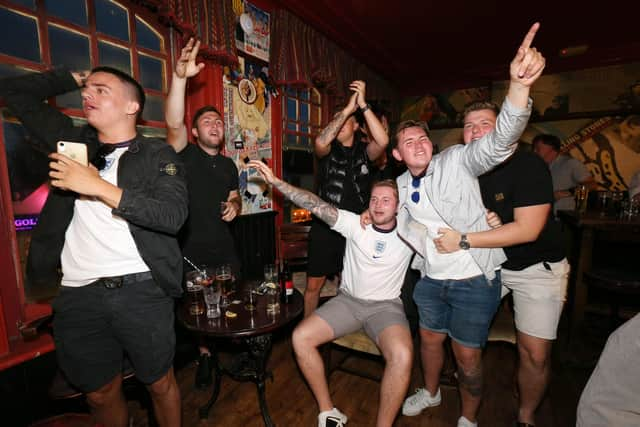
{"points": [[112, 228], [375, 264], [344, 179], [520, 191], [212, 180], [459, 292]]}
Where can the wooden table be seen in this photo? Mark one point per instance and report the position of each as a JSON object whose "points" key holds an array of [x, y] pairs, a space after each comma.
{"points": [[254, 329], [585, 226]]}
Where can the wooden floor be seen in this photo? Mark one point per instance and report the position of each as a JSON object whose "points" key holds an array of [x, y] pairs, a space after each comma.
{"points": [[291, 403]]}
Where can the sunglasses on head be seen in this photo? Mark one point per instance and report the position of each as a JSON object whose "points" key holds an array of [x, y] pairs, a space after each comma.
{"points": [[100, 160]]}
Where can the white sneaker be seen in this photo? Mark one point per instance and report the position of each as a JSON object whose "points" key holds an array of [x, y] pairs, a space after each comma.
{"points": [[418, 401], [463, 422], [332, 418]]}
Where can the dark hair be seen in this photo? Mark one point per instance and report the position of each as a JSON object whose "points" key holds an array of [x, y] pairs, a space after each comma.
{"points": [[405, 125], [200, 112], [548, 139], [130, 82], [481, 105]]}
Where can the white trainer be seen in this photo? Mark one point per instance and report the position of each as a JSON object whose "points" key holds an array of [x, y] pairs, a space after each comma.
{"points": [[464, 422], [420, 400], [332, 418]]}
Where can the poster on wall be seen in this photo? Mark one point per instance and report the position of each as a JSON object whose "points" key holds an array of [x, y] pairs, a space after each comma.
{"points": [[604, 89], [247, 118], [252, 31]]}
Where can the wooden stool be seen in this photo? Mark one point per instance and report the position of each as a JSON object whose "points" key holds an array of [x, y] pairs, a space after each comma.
{"points": [[355, 342]]}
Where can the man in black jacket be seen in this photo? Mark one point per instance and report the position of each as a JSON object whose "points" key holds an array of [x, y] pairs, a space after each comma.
{"points": [[112, 228]]}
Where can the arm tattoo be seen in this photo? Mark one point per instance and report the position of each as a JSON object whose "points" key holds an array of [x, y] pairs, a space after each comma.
{"points": [[331, 130], [471, 381], [308, 200]]}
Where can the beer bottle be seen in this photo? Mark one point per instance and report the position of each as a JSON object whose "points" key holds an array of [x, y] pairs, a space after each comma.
{"points": [[286, 283]]}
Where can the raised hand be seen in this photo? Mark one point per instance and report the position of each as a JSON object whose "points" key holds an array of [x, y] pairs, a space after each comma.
{"points": [[352, 106], [264, 170], [528, 63], [186, 65], [359, 87]]}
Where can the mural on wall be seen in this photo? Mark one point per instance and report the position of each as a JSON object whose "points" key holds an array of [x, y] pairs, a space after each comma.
{"points": [[604, 89], [444, 109], [608, 146], [252, 30], [247, 118]]}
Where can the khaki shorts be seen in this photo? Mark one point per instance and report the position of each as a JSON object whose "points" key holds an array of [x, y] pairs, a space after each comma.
{"points": [[539, 293], [346, 314]]}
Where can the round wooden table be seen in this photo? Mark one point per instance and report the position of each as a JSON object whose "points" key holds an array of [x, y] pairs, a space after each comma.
{"points": [[254, 329]]}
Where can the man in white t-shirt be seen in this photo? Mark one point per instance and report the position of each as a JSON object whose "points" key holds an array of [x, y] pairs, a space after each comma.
{"points": [[375, 263]]}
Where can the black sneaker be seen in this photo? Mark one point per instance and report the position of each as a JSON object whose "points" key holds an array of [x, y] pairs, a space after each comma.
{"points": [[203, 373]]}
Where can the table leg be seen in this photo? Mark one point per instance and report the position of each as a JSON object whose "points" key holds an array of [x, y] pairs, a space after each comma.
{"points": [[260, 347], [204, 410], [580, 291]]}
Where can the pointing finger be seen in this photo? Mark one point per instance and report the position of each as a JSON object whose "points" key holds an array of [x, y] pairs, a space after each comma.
{"points": [[528, 39]]}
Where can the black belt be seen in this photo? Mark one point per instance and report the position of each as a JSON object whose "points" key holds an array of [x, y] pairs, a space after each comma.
{"points": [[118, 281]]}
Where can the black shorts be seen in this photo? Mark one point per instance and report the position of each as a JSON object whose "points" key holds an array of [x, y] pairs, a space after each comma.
{"points": [[326, 250], [94, 327]]}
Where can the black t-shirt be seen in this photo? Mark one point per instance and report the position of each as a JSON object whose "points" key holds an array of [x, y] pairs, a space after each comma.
{"points": [[524, 180], [205, 237]]}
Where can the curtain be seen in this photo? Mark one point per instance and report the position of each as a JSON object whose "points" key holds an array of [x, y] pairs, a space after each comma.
{"points": [[302, 56], [211, 21]]}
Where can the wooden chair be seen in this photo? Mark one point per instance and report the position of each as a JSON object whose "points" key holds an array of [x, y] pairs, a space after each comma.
{"points": [[356, 344], [293, 244], [617, 286]]}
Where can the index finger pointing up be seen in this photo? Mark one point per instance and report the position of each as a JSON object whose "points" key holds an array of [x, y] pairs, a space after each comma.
{"points": [[528, 39]]}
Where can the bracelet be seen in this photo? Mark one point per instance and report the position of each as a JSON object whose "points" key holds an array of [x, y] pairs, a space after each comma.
{"points": [[365, 108]]}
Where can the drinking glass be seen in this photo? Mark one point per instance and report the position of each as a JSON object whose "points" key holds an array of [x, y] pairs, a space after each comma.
{"points": [[603, 202], [194, 293], [249, 299], [273, 300], [581, 196], [270, 275], [224, 278], [212, 300]]}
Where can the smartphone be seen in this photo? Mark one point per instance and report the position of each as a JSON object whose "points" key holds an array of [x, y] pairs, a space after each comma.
{"points": [[75, 151]]}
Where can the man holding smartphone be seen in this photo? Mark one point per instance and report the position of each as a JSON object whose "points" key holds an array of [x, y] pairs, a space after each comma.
{"points": [[212, 179], [112, 229]]}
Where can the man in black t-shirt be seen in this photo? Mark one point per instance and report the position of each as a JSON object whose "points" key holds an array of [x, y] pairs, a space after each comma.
{"points": [[520, 191], [212, 181]]}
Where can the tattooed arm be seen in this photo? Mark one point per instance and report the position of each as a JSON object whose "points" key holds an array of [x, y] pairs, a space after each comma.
{"points": [[322, 144], [303, 198]]}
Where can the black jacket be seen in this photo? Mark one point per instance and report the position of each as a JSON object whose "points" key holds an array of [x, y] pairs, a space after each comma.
{"points": [[154, 197]]}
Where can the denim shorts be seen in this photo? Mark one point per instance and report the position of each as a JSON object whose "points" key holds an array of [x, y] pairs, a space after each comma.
{"points": [[463, 308]]}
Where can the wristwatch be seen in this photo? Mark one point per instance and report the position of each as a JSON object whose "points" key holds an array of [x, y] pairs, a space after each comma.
{"points": [[464, 243], [365, 108]]}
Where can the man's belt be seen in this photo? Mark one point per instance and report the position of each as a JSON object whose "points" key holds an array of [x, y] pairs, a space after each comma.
{"points": [[116, 282]]}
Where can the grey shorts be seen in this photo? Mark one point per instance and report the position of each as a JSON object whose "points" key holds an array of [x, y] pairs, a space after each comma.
{"points": [[346, 314]]}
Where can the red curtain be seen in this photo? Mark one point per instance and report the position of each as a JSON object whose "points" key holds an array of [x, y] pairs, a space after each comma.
{"points": [[302, 56], [211, 21]]}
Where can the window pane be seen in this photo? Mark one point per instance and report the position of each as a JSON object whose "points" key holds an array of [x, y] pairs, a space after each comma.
{"points": [[291, 140], [304, 94], [291, 91], [304, 129], [69, 49], [28, 168], [70, 10], [9, 70], [292, 109], [31, 4], [151, 75], [292, 127], [19, 35], [147, 37], [304, 140], [304, 112], [154, 108], [112, 19], [114, 56]]}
